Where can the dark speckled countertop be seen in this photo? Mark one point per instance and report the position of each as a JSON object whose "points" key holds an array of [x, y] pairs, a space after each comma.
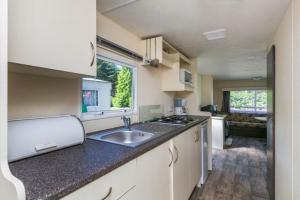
{"points": [[57, 174]]}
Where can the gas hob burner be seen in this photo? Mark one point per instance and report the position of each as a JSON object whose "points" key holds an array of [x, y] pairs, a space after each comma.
{"points": [[175, 119]]}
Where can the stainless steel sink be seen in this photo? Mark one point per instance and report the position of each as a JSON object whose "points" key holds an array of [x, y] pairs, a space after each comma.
{"points": [[131, 138]]}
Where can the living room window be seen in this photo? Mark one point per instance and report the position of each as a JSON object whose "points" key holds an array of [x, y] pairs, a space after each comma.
{"points": [[248, 101], [112, 92]]}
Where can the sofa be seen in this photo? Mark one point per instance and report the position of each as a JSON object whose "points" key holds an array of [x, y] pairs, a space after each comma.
{"points": [[244, 124]]}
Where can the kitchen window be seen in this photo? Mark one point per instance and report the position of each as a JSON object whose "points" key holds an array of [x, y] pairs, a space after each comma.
{"points": [[112, 92], [248, 101]]}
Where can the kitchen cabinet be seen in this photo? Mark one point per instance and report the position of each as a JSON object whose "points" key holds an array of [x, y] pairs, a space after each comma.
{"points": [[154, 173], [170, 60], [58, 35], [167, 172], [118, 184], [194, 158], [157, 48], [181, 167], [130, 195], [218, 131]]}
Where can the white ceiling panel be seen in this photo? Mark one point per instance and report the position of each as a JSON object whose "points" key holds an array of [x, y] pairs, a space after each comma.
{"points": [[249, 24]]}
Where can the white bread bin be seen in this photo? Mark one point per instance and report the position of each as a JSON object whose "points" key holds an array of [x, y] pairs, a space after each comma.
{"points": [[30, 137]]}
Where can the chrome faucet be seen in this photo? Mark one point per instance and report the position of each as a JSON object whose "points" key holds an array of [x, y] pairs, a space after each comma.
{"points": [[127, 122]]}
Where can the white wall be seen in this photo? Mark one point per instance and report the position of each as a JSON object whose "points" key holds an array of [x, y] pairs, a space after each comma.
{"points": [[287, 161], [207, 83], [296, 99]]}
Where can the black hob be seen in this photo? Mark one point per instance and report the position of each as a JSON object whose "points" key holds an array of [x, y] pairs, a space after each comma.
{"points": [[175, 119]]}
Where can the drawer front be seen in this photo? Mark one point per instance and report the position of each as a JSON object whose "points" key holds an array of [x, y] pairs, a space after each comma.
{"points": [[109, 187]]}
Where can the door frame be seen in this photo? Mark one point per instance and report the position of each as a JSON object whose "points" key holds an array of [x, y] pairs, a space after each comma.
{"points": [[271, 66]]}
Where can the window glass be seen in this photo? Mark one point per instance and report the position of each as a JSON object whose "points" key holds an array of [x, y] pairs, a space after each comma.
{"points": [[248, 101], [112, 90]]}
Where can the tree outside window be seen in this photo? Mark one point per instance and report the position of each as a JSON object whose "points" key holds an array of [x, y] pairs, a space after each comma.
{"points": [[121, 92], [249, 101]]}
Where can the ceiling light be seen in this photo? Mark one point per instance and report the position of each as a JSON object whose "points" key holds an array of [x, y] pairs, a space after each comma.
{"points": [[215, 35]]}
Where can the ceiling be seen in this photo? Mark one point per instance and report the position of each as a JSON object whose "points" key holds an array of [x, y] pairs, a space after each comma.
{"points": [[250, 26]]}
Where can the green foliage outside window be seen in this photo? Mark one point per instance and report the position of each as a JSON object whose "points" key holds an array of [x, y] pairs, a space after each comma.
{"points": [[121, 79], [123, 95], [108, 71], [248, 100]]}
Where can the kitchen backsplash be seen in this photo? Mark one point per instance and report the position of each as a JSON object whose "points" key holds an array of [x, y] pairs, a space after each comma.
{"points": [[149, 112]]}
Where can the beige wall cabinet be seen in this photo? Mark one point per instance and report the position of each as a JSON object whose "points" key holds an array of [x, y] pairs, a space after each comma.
{"points": [[171, 62], [118, 184], [57, 34], [157, 48], [170, 79], [194, 145], [154, 173]]}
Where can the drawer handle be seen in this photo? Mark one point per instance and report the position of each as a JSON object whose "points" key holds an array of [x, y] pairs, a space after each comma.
{"points": [[171, 157], [108, 194], [93, 51], [177, 154]]}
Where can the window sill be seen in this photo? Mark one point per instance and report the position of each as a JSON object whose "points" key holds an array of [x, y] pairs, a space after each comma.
{"points": [[96, 116]]}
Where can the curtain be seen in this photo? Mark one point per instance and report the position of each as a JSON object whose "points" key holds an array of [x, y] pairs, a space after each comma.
{"points": [[226, 102]]}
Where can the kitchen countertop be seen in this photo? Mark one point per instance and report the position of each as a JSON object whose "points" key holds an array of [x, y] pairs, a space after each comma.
{"points": [[219, 116], [57, 174]]}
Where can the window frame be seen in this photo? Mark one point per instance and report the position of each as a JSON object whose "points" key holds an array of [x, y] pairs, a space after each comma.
{"points": [[255, 103], [119, 60]]}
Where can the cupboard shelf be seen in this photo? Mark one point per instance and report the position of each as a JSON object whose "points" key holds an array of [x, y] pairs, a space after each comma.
{"points": [[170, 60]]}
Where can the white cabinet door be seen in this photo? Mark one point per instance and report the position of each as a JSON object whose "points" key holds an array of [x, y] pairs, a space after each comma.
{"points": [[130, 195], [218, 135], [154, 174], [180, 167], [194, 158], [54, 34], [113, 186]]}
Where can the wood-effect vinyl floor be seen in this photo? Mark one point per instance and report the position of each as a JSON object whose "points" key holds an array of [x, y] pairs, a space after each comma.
{"points": [[239, 172]]}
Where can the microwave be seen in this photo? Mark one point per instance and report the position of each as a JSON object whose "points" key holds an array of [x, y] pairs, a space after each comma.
{"points": [[186, 76]]}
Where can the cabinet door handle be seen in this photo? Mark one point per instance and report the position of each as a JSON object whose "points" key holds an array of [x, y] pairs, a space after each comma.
{"points": [[171, 157], [198, 136], [177, 154], [93, 51], [108, 194]]}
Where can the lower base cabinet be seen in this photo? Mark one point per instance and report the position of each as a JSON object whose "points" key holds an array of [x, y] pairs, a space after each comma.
{"points": [[117, 185], [181, 167], [154, 174], [167, 172], [194, 153]]}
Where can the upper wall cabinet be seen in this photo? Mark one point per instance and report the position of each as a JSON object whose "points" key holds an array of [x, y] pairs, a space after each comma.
{"points": [[175, 67], [158, 50], [56, 34]]}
